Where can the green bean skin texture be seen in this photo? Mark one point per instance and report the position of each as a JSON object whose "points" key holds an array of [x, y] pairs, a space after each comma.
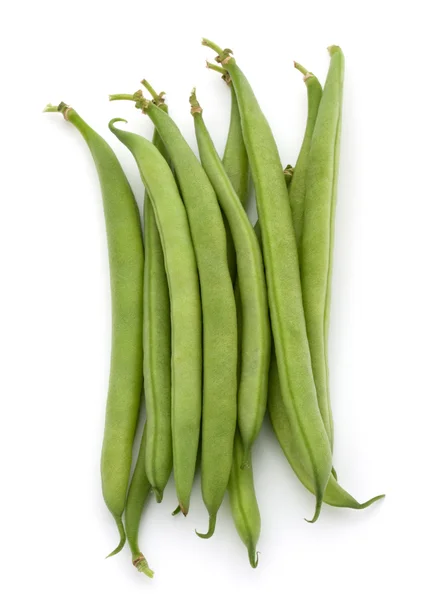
{"points": [[137, 496], [283, 281], [244, 505], [286, 432], [185, 309], [156, 351], [218, 315], [316, 251], [298, 185], [235, 159], [125, 249], [255, 327]]}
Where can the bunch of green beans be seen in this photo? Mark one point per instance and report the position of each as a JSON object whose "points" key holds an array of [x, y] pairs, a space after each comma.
{"points": [[215, 320]]}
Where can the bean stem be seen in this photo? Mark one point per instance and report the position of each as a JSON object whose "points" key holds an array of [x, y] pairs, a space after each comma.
{"points": [[301, 68], [215, 68], [122, 97], [150, 89], [51, 108], [212, 45]]}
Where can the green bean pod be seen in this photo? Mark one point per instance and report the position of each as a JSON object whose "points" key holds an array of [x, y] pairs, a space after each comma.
{"points": [[255, 341], [137, 496], [156, 351], [316, 250], [287, 432], [243, 502], [181, 270], [283, 280], [125, 249], [244, 506], [298, 186]]}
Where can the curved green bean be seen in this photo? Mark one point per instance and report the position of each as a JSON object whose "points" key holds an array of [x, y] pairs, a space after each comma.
{"points": [[255, 342], [244, 506], [316, 251], [181, 269], [283, 280], [125, 248], [137, 495]]}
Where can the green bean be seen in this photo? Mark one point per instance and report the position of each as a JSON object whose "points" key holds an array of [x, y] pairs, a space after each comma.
{"points": [[244, 506], [219, 321], [298, 186], [255, 343], [287, 432], [125, 248], [316, 251], [156, 346], [283, 280], [136, 499], [181, 269]]}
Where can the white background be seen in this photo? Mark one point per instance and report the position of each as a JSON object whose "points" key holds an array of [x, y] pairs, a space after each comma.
{"points": [[55, 305]]}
